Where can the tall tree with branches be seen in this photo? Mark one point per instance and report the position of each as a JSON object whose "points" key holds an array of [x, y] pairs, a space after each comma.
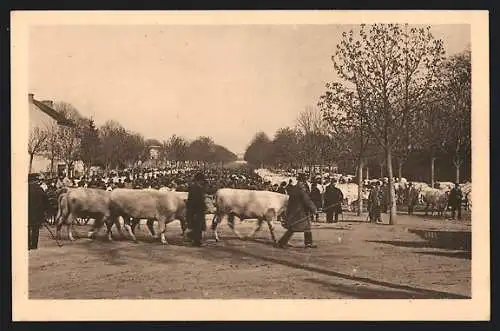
{"points": [[394, 69]]}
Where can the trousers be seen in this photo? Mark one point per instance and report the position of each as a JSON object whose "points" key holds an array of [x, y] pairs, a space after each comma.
{"points": [[33, 234], [308, 239]]}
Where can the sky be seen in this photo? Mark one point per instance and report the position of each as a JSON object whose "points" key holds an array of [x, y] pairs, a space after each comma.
{"points": [[227, 82]]}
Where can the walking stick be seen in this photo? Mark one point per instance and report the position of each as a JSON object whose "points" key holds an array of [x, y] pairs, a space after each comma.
{"points": [[52, 235]]}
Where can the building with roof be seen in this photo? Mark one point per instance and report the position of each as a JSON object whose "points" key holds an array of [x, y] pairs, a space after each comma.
{"points": [[42, 115]]}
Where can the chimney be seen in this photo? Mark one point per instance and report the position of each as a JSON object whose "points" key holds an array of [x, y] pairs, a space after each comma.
{"points": [[48, 103], [31, 96]]}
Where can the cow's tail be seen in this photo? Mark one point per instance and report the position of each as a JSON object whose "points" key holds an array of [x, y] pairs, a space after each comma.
{"points": [[215, 219], [62, 210]]}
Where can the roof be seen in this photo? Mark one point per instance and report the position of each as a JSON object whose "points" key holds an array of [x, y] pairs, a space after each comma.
{"points": [[61, 119]]}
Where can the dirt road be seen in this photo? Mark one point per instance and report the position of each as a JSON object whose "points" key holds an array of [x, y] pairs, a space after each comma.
{"points": [[353, 260]]}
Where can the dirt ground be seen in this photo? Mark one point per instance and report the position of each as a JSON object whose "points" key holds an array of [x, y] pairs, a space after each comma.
{"points": [[354, 259]]}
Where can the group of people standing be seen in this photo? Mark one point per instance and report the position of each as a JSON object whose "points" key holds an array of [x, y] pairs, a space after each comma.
{"points": [[378, 201]]}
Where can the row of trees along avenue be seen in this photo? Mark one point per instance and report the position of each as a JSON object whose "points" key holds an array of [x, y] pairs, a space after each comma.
{"points": [[397, 98], [111, 146]]}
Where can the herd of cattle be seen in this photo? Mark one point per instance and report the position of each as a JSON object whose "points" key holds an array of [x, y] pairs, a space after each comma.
{"points": [[164, 206], [434, 199], [124, 206]]}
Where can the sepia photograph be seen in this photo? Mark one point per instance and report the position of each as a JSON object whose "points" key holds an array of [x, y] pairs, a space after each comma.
{"points": [[309, 158]]}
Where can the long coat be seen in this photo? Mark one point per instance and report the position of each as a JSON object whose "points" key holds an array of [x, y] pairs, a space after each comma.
{"points": [[195, 206], [333, 199], [38, 204], [316, 196], [299, 209]]}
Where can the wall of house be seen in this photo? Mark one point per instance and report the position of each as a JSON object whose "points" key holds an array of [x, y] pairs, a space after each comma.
{"points": [[38, 118]]}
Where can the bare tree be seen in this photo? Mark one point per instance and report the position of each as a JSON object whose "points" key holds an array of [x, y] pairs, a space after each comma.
{"points": [[69, 137], [314, 136], [36, 143], [394, 69]]}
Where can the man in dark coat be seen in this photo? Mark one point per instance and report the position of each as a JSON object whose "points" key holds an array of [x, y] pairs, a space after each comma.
{"points": [[374, 204], [411, 198], [38, 206], [298, 214], [316, 197], [195, 209], [455, 201], [333, 202]]}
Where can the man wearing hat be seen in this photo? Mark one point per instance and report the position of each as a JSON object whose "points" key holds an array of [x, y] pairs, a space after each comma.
{"points": [[38, 206], [333, 201], [374, 204], [195, 209], [316, 197], [455, 201], [411, 198], [298, 214]]}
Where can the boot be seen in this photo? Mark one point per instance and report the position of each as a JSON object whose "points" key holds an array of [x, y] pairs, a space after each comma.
{"points": [[308, 240], [283, 242]]}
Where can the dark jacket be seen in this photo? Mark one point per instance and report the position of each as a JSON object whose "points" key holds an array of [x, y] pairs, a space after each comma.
{"points": [[412, 196], [455, 197], [374, 198], [316, 196], [38, 204], [333, 198], [299, 208], [196, 198]]}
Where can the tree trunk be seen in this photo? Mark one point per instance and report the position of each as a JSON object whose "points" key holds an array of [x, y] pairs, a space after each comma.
{"points": [[360, 187], [52, 166], [432, 170], [392, 195], [400, 168], [457, 164], [31, 162], [382, 170], [367, 172]]}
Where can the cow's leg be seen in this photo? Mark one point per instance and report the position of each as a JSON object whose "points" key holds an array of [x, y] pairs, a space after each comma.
{"points": [[257, 228], [269, 219], [230, 222], [162, 222], [129, 228], [150, 224], [59, 222], [96, 226], [69, 224], [133, 223], [119, 226], [215, 222]]}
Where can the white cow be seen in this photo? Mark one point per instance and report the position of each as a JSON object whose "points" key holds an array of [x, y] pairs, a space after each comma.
{"points": [[350, 192], [248, 204], [149, 204], [83, 203], [437, 199], [445, 186]]}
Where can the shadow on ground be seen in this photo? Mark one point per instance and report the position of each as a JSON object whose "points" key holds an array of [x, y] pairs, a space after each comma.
{"points": [[451, 240], [408, 291]]}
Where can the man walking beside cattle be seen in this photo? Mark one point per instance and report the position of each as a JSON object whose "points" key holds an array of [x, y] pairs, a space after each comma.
{"points": [[196, 209], [298, 214]]}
